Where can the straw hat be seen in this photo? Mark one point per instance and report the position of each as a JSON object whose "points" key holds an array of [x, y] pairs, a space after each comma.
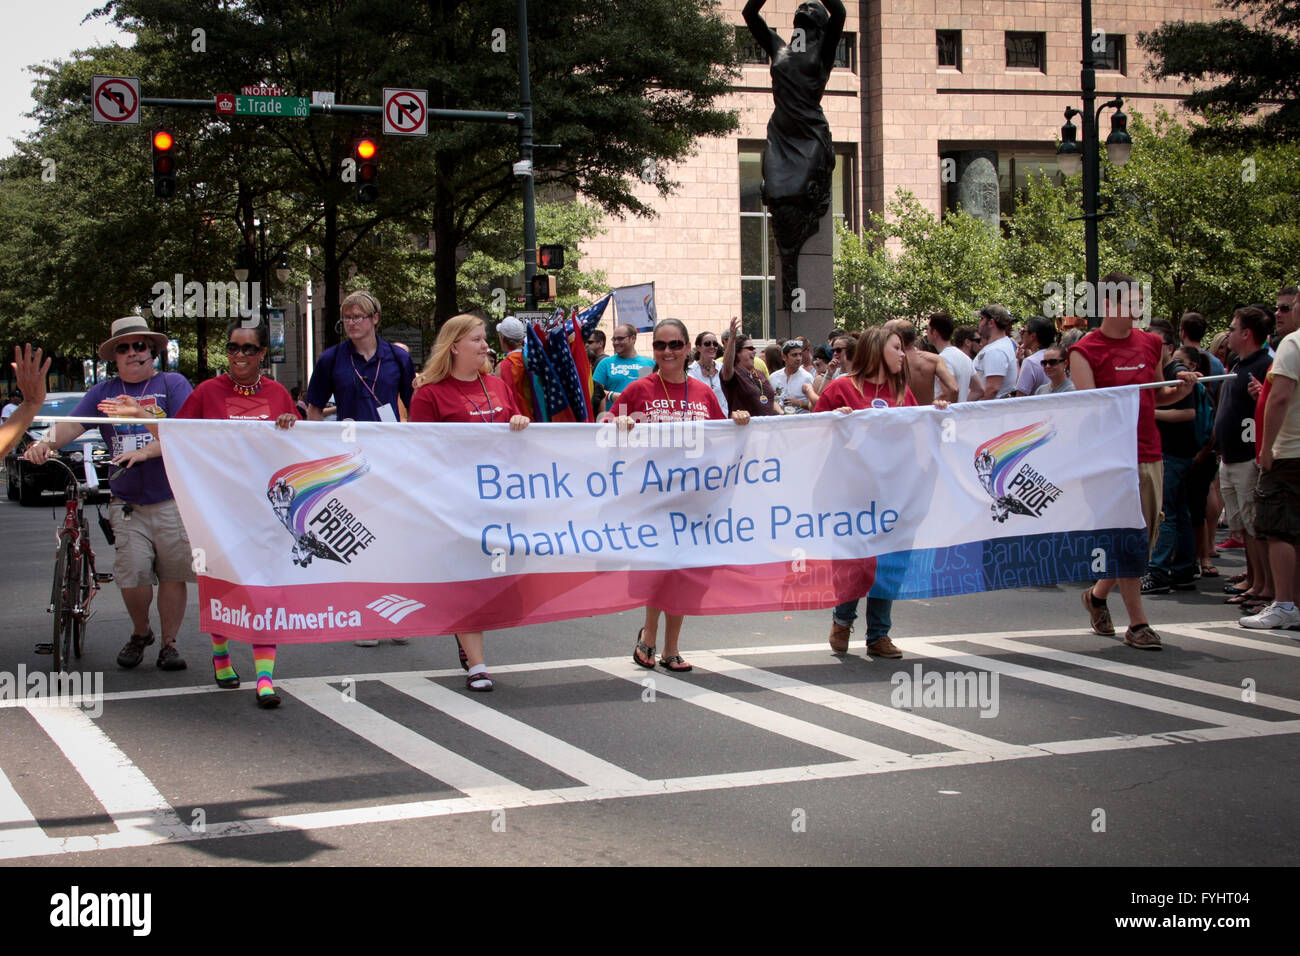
{"points": [[131, 328]]}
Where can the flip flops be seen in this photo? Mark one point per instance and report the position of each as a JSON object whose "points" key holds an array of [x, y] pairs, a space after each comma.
{"points": [[643, 655]]}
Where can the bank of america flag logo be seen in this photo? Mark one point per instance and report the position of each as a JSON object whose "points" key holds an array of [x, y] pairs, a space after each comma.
{"points": [[394, 607]]}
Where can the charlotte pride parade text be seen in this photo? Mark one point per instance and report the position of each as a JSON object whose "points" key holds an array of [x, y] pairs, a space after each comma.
{"points": [[778, 522]]}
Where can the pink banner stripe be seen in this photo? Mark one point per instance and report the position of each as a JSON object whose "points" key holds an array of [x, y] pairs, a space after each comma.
{"points": [[311, 613]]}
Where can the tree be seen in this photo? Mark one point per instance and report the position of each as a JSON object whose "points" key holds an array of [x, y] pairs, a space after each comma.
{"points": [[1257, 65]]}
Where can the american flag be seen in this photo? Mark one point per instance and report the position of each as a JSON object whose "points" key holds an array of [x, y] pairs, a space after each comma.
{"points": [[589, 317], [557, 350], [552, 397]]}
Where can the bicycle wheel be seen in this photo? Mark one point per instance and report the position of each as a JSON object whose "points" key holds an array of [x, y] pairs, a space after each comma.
{"points": [[61, 601], [85, 581]]}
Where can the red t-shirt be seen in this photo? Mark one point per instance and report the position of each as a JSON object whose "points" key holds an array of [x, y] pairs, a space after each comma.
{"points": [[661, 401], [1132, 360], [217, 399], [452, 400], [845, 391]]}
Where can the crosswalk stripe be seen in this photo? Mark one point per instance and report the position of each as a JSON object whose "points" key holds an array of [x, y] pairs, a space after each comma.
{"points": [[1251, 640], [814, 735], [908, 723], [403, 743], [564, 757], [19, 832], [1210, 688], [130, 799], [1091, 688]]}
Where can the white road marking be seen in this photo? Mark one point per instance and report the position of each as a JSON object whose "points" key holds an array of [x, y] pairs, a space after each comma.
{"points": [[1285, 645], [144, 817]]}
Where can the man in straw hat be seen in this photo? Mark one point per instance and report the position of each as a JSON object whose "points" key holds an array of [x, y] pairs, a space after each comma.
{"points": [[151, 543]]}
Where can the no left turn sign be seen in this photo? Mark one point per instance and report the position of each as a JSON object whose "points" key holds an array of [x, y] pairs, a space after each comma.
{"points": [[406, 112], [115, 99]]}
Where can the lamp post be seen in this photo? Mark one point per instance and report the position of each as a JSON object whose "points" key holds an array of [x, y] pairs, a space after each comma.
{"points": [[249, 262], [1070, 155]]}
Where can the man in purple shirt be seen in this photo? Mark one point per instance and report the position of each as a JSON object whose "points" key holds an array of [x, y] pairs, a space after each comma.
{"points": [[151, 544]]}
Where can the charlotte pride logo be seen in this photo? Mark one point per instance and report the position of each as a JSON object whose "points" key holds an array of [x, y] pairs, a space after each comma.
{"points": [[305, 499], [1014, 486]]}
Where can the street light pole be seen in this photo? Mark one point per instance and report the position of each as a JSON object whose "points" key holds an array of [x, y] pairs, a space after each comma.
{"points": [[1091, 165]]}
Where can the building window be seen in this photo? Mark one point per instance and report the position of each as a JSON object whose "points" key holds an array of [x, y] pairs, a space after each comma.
{"points": [[751, 52], [1027, 51], [949, 42], [759, 262], [1014, 172], [1113, 59]]}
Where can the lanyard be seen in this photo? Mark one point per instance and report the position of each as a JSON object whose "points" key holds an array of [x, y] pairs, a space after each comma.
{"points": [[369, 387]]}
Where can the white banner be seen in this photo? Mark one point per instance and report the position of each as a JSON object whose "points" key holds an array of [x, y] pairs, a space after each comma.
{"points": [[636, 306], [331, 530]]}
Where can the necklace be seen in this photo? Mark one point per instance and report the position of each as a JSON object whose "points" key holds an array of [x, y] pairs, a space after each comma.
{"points": [[248, 390], [686, 393]]}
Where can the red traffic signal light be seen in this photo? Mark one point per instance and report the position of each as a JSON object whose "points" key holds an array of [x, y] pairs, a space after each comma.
{"points": [[366, 155], [164, 164], [550, 257]]}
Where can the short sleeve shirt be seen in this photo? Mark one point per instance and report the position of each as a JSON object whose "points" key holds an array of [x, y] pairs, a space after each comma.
{"points": [[1132, 360], [361, 386], [846, 391], [998, 358], [790, 388], [1287, 365], [161, 396], [714, 381], [1236, 405], [1032, 375], [615, 373], [661, 401], [750, 392], [217, 399], [452, 400]]}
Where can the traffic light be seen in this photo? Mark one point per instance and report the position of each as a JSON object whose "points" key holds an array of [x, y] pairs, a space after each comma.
{"points": [[366, 154], [550, 257], [164, 164], [543, 287]]}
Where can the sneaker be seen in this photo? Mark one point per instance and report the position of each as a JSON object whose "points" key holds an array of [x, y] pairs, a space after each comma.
{"points": [[1231, 543], [133, 653], [1142, 637], [1101, 623], [1273, 618], [1189, 585], [372, 642], [840, 638], [1151, 586], [883, 647], [169, 659]]}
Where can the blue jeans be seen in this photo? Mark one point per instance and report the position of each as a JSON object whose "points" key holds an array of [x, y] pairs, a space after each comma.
{"points": [[878, 616], [1174, 556]]}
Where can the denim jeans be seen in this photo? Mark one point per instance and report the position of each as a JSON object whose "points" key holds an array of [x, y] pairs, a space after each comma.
{"points": [[878, 616], [1174, 556]]}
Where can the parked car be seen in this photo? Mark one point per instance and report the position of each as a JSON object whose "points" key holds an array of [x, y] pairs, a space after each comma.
{"points": [[27, 482]]}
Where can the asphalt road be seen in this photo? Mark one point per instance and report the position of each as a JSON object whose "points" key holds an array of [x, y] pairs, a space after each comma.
{"points": [[1082, 752]]}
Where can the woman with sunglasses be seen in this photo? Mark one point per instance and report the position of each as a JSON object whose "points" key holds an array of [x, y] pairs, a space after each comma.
{"points": [[1057, 370], [747, 388], [241, 394], [459, 387], [668, 394], [706, 368]]}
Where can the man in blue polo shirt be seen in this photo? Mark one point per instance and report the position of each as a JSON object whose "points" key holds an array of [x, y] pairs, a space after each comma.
{"points": [[616, 372], [364, 373]]}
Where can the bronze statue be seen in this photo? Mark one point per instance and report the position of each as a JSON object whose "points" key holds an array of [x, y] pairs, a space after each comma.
{"points": [[799, 159]]}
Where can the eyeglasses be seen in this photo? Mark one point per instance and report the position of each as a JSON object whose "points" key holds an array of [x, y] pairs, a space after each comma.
{"points": [[676, 345], [124, 347], [1049, 362], [354, 319], [1285, 308], [248, 348]]}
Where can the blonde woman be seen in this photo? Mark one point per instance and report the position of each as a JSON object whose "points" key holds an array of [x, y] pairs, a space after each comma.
{"points": [[458, 386]]}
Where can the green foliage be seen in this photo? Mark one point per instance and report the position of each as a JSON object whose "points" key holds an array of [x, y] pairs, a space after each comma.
{"points": [[1255, 63]]}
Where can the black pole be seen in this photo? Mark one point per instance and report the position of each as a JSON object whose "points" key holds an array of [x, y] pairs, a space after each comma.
{"points": [[1091, 165], [526, 156]]}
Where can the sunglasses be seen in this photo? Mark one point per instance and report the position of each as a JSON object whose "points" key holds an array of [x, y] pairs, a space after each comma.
{"points": [[676, 345], [708, 345], [248, 348], [837, 351], [1047, 362], [752, 348], [1285, 308], [124, 347]]}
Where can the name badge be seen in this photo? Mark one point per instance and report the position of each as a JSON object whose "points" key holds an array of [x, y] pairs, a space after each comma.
{"points": [[386, 413]]}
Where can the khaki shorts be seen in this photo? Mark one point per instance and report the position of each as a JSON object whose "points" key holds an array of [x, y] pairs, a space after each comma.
{"points": [[151, 544], [1277, 502], [1151, 487], [1237, 483]]}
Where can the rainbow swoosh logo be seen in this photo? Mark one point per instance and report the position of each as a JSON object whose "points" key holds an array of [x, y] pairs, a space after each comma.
{"points": [[295, 490], [998, 461]]}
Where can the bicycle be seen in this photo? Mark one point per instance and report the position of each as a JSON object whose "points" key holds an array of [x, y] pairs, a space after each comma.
{"points": [[76, 582]]}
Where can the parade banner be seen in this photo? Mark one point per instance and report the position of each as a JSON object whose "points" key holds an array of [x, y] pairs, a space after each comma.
{"points": [[340, 530]]}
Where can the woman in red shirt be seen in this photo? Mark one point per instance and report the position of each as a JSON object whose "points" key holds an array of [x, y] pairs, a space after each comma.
{"points": [[668, 394], [242, 394], [876, 379], [459, 387]]}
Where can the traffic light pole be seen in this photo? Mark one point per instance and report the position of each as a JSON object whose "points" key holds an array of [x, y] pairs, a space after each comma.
{"points": [[526, 161]]}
